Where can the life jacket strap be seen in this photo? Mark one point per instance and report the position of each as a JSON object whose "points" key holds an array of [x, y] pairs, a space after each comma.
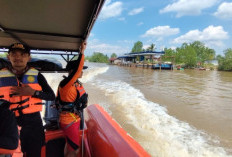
{"points": [[39, 103], [21, 102], [11, 95], [20, 108], [67, 107]]}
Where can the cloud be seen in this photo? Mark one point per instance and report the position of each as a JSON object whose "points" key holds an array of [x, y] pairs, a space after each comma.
{"points": [[161, 31], [224, 11], [136, 11], [91, 35], [146, 46], [111, 10], [97, 46], [188, 7], [140, 23], [121, 19], [173, 47], [210, 36], [126, 41]]}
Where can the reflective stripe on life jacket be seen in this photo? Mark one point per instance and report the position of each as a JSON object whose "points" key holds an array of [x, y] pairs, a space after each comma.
{"points": [[80, 89], [8, 80]]}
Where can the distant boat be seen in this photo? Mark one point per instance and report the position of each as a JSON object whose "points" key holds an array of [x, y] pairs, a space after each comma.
{"points": [[179, 68], [163, 66]]}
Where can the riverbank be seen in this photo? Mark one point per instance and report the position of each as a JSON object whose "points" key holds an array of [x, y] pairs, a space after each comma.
{"points": [[162, 66]]}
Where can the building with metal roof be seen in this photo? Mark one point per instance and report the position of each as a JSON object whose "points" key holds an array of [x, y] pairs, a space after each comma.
{"points": [[141, 56]]}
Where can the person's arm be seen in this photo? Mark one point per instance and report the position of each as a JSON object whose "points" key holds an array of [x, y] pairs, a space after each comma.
{"points": [[25, 90], [47, 92], [76, 71], [69, 81]]}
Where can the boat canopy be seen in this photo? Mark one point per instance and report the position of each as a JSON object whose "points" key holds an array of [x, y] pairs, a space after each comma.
{"points": [[58, 25], [145, 53]]}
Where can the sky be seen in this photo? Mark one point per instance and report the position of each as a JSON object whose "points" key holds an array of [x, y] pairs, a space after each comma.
{"points": [[165, 23]]}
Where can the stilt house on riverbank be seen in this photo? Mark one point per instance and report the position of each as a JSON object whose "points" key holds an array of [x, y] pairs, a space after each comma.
{"points": [[141, 57], [146, 59]]}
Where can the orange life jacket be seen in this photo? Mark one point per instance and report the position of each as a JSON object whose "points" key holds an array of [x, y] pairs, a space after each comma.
{"points": [[80, 89], [70, 96], [27, 104], [75, 99], [66, 100]]}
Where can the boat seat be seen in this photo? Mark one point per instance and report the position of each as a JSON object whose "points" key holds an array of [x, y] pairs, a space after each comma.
{"points": [[53, 134], [55, 142], [6, 151]]}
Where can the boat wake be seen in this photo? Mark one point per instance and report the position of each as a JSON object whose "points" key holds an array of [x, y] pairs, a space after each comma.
{"points": [[89, 74], [158, 132]]}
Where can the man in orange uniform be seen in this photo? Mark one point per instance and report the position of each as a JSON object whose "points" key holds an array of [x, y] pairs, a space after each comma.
{"points": [[72, 97], [25, 87]]}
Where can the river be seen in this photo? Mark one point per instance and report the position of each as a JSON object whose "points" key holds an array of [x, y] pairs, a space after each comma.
{"points": [[170, 113]]}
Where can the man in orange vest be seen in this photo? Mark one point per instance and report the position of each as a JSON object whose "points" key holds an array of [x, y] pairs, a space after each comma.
{"points": [[72, 98], [25, 87]]}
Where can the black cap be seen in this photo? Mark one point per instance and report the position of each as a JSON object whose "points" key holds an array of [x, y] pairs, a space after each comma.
{"points": [[19, 46], [72, 64]]}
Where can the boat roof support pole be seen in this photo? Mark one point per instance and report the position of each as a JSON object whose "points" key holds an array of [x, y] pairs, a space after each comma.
{"points": [[68, 58], [11, 34]]}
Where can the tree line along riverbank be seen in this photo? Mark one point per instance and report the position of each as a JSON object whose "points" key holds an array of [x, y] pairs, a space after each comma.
{"points": [[188, 55]]}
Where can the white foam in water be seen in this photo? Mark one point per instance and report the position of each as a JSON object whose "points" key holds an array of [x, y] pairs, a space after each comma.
{"points": [[89, 74], [164, 135], [54, 79]]}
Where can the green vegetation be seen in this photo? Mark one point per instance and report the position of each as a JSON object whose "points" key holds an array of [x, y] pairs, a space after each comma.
{"points": [[113, 55], [225, 63], [3, 54], [138, 47], [190, 55], [151, 47], [98, 57]]}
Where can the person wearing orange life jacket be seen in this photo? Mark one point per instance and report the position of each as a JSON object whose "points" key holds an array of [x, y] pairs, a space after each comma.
{"points": [[25, 87], [71, 98]]}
